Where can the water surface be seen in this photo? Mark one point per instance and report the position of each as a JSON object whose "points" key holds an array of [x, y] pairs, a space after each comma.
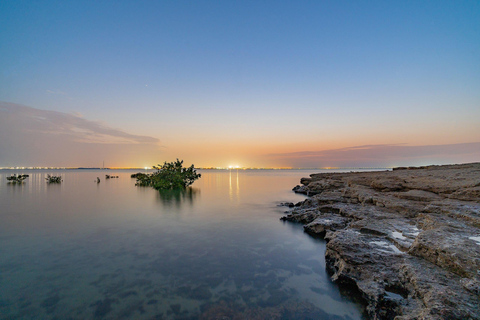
{"points": [[82, 250]]}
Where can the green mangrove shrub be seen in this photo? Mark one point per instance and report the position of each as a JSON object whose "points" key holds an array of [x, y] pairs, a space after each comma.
{"points": [[17, 179], [53, 179], [170, 175]]}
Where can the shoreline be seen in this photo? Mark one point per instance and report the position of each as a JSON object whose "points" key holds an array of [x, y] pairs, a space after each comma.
{"points": [[407, 240]]}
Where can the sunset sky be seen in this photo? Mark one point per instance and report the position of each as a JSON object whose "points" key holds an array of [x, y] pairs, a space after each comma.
{"points": [[247, 83]]}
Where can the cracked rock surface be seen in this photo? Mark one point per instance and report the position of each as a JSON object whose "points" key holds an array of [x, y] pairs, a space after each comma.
{"points": [[408, 240]]}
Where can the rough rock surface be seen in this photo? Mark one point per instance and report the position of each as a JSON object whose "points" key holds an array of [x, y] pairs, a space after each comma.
{"points": [[407, 240]]}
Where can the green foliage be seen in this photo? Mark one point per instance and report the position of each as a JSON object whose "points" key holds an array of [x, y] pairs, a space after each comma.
{"points": [[17, 179], [170, 175], [53, 179], [134, 175]]}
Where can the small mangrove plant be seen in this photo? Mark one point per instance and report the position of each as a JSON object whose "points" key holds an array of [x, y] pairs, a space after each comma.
{"points": [[170, 175], [53, 179], [135, 175], [17, 179], [107, 176]]}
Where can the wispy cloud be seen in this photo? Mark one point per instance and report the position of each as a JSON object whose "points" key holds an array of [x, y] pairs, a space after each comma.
{"points": [[383, 155], [54, 136], [71, 125], [56, 92]]}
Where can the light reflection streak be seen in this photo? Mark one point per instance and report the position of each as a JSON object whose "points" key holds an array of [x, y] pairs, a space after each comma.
{"points": [[236, 184], [238, 188], [230, 190]]}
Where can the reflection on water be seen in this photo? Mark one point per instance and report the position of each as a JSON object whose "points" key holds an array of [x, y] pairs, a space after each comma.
{"points": [[178, 197], [15, 183], [82, 250], [234, 187]]}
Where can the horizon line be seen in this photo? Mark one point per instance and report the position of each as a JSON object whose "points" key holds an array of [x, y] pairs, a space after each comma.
{"points": [[197, 168]]}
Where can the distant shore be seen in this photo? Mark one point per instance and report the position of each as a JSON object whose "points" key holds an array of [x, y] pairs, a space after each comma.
{"points": [[406, 240], [199, 168]]}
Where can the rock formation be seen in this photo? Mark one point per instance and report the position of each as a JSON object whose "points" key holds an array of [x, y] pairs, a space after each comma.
{"points": [[407, 240]]}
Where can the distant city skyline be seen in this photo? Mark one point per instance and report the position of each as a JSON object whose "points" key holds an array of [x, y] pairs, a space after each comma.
{"points": [[300, 84]]}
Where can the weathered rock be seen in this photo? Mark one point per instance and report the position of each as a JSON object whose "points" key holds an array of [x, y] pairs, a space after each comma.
{"points": [[322, 224], [302, 216], [287, 204], [407, 240], [392, 183], [450, 249], [418, 195], [300, 189]]}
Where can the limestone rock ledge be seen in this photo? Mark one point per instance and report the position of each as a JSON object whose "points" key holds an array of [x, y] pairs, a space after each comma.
{"points": [[407, 240]]}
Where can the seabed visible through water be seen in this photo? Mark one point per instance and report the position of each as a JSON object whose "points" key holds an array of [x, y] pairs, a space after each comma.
{"points": [[82, 250]]}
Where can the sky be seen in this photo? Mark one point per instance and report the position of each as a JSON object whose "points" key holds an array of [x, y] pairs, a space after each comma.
{"points": [[239, 83]]}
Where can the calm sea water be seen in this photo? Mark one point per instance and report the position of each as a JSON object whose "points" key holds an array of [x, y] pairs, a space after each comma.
{"points": [[82, 250]]}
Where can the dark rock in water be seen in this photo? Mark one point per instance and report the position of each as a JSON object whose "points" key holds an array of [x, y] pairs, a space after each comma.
{"points": [[407, 241], [300, 189], [175, 308], [50, 303], [201, 293], [302, 216], [276, 306], [287, 204], [123, 295], [129, 309], [102, 307], [158, 317], [276, 298]]}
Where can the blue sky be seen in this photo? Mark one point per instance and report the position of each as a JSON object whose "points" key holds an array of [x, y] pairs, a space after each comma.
{"points": [[222, 82]]}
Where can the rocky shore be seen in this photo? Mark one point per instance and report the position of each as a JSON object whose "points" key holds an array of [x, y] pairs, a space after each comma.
{"points": [[406, 240]]}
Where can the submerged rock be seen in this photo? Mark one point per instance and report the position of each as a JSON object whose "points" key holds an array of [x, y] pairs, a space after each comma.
{"points": [[407, 240]]}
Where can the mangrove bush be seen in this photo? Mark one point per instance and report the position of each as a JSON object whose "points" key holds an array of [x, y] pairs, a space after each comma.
{"points": [[53, 179], [17, 179], [170, 175]]}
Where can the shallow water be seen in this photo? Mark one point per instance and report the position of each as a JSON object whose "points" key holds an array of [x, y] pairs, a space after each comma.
{"points": [[82, 250]]}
